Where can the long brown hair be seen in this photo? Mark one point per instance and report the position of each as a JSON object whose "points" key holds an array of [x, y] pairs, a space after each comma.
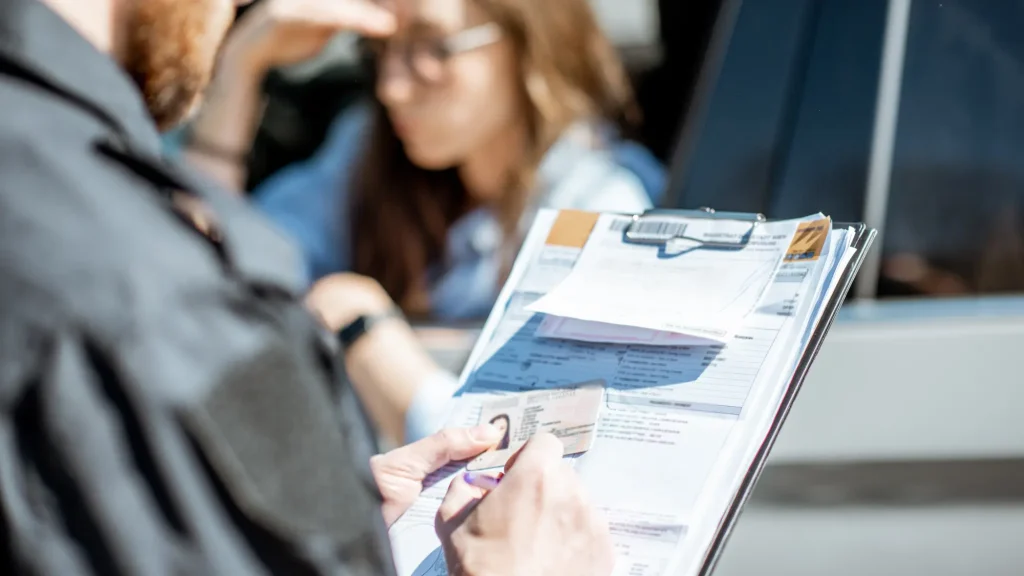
{"points": [[401, 213]]}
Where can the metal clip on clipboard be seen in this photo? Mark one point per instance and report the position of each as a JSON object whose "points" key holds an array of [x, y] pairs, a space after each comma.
{"points": [[657, 227]]}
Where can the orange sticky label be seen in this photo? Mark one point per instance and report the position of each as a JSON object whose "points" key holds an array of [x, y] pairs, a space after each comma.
{"points": [[572, 228], [809, 240]]}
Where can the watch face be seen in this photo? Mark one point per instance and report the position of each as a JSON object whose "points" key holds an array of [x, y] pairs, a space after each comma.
{"points": [[349, 334], [363, 324]]}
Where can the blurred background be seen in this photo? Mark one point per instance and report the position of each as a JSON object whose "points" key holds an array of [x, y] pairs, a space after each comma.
{"points": [[905, 451]]}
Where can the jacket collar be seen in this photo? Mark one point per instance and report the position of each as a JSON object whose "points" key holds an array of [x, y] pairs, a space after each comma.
{"points": [[38, 45], [41, 46]]}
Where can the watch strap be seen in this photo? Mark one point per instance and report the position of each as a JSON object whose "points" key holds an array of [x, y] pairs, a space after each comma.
{"points": [[363, 323]]}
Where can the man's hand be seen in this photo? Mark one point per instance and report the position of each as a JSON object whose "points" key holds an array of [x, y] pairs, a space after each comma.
{"points": [[400, 473], [537, 521]]}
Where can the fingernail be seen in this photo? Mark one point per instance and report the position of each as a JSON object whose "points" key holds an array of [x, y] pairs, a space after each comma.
{"points": [[485, 433], [482, 481]]}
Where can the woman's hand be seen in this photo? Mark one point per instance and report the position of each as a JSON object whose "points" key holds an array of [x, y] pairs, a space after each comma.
{"points": [[272, 33], [282, 32]]}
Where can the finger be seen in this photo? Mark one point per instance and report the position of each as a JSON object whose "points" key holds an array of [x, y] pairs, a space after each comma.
{"points": [[449, 445], [457, 504], [360, 16], [512, 459], [541, 451]]}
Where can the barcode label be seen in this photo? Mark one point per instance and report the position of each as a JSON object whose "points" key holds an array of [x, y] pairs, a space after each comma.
{"points": [[658, 228], [620, 224]]}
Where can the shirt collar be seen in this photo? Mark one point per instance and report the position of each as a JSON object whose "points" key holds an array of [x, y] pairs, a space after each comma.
{"points": [[577, 141], [479, 234], [39, 42]]}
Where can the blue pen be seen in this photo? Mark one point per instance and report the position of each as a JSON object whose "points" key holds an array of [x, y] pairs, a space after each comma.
{"points": [[482, 481]]}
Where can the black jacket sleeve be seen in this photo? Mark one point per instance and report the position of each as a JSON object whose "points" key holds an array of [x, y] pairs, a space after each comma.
{"points": [[76, 497], [255, 477]]}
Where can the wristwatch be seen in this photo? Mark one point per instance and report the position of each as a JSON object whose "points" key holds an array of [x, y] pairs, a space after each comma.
{"points": [[363, 323]]}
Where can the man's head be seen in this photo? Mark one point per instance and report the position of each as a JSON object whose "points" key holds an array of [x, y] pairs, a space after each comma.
{"points": [[168, 47]]}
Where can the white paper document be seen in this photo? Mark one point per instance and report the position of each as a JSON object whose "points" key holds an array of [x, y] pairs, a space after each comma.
{"points": [[682, 420], [589, 331], [711, 291]]}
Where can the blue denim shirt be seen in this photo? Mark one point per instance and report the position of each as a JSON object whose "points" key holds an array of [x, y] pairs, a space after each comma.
{"points": [[309, 201]]}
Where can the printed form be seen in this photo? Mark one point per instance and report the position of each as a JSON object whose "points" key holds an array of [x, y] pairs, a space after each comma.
{"points": [[680, 420], [711, 291]]}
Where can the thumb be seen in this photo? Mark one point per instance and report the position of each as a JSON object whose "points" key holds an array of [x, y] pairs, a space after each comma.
{"points": [[459, 502], [450, 445]]}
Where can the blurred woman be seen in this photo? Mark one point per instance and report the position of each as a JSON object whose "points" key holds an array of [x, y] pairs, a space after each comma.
{"points": [[485, 110]]}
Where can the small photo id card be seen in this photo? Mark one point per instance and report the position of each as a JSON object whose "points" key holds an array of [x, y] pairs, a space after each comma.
{"points": [[568, 413]]}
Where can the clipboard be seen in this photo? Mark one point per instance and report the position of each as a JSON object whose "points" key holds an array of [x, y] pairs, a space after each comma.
{"points": [[863, 237], [561, 230]]}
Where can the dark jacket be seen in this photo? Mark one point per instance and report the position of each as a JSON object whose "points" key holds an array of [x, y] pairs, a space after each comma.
{"points": [[167, 406]]}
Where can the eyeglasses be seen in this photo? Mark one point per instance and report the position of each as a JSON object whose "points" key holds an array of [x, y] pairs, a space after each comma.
{"points": [[426, 57]]}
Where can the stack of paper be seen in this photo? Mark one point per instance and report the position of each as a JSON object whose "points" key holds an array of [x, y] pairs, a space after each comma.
{"points": [[696, 347]]}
